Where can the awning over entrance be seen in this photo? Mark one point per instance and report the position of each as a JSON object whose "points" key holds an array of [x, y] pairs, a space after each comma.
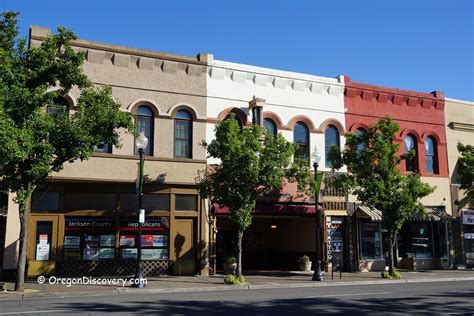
{"points": [[432, 214], [273, 209], [374, 214]]}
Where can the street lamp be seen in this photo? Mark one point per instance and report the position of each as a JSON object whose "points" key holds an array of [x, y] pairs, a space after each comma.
{"points": [[317, 276], [141, 143]]}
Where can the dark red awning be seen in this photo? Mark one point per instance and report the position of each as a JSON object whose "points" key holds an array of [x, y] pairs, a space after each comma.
{"points": [[273, 209]]}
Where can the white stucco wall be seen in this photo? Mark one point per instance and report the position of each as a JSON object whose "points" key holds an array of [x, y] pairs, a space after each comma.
{"points": [[287, 94]]}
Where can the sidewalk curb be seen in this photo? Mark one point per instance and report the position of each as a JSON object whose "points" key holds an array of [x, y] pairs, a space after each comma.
{"points": [[127, 291]]}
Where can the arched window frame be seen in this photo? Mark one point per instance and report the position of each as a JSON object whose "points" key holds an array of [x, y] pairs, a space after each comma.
{"points": [[59, 107], [411, 165], [431, 155], [360, 132], [303, 142], [144, 120], [270, 126], [183, 134], [329, 141]]}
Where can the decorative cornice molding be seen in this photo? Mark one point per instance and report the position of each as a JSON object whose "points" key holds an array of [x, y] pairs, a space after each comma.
{"points": [[457, 126]]}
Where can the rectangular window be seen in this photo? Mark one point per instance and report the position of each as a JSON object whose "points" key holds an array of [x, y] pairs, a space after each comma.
{"points": [[103, 148], [151, 202], [45, 201], [421, 240], [370, 240], [44, 231], [185, 202], [182, 141]]}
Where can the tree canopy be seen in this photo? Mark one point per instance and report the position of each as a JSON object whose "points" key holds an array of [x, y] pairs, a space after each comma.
{"points": [[465, 168], [35, 142], [373, 176], [252, 162]]}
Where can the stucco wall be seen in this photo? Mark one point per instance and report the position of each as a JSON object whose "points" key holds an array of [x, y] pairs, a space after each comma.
{"points": [[289, 96]]}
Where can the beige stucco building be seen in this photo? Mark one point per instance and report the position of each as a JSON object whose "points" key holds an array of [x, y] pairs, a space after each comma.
{"points": [[85, 217], [459, 118]]}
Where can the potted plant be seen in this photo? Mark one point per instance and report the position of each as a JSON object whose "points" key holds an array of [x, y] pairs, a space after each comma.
{"points": [[304, 264], [230, 265]]}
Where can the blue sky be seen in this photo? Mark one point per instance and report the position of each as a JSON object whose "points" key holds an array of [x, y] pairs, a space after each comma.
{"points": [[421, 45]]}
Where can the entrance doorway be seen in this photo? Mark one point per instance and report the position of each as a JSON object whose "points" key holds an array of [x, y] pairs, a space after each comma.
{"points": [[42, 245], [185, 246]]}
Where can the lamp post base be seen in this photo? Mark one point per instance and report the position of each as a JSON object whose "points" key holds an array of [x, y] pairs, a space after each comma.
{"points": [[318, 275], [138, 282]]}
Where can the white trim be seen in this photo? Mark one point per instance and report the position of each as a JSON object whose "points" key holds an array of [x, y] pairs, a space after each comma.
{"points": [[459, 101]]}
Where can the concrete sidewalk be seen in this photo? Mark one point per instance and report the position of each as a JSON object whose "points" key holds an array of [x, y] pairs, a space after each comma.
{"points": [[255, 280]]}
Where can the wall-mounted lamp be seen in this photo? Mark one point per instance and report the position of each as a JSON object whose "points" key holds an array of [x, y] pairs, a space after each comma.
{"points": [[273, 226]]}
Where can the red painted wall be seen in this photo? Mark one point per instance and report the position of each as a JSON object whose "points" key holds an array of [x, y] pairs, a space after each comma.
{"points": [[421, 114]]}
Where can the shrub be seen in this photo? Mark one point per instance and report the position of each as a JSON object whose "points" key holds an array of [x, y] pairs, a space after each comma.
{"points": [[234, 280], [395, 274], [303, 259], [230, 260]]}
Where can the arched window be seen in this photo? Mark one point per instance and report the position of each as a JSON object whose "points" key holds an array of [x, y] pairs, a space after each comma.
{"points": [[59, 107], [183, 134], [410, 144], [301, 138], [331, 138], [431, 150], [270, 126], [237, 119], [144, 122], [360, 132]]}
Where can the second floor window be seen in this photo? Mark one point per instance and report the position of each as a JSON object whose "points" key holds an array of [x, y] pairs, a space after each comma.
{"points": [[183, 131], [331, 138], [301, 138], [410, 144], [144, 122], [59, 107], [270, 126], [431, 153]]}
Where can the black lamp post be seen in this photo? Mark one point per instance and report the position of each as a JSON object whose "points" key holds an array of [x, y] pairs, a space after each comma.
{"points": [[141, 142], [317, 276]]}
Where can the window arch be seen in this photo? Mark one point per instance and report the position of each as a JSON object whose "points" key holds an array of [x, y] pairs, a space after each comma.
{"points": [[183, 134], [301, 138], [410, 144], [58, 107], [431, 155], [331, 138], [144, 122], [270, 126]]}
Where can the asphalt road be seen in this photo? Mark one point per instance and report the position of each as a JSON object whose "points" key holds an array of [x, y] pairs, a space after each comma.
{"points": [[409, 298]]}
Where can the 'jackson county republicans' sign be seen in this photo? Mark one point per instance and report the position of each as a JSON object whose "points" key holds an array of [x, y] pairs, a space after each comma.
{"points": [[151, 223], [468, 217], [88, 222]]}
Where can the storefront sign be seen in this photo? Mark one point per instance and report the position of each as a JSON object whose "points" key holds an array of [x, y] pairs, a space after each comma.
{"points": [[151, 223], [129, 253], [107, 240], [126, 240], [72, 241], [88, 223], [468, 217]]}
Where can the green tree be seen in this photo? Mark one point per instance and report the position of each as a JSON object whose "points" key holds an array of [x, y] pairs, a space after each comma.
{"points": [[465, 168], [35, 142], [372, 161], [252, 163]]}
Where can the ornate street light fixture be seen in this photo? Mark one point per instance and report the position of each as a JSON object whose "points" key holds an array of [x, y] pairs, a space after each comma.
{"points": [[141, 143], [317, 276]]}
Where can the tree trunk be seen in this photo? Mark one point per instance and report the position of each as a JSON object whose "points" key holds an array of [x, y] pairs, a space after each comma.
{"points": [[239, 253], [24, 219], [391, 257]]}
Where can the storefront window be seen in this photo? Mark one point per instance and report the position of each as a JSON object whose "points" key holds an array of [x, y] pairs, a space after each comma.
{"points": [[154, 240], [371, 240], [89, 238], [45, 201], [185, 202], [421, 240]]}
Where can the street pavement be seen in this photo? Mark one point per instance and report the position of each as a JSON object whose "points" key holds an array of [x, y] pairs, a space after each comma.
{"points": [[254, 280], [435, 297]]}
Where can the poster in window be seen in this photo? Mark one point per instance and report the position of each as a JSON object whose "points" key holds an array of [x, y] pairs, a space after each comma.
{"points": [[91, 241], [43, 239], [72, 241], [154, 254], [147, 240], [106, 253], [107, 240], [91, 254], [127, 240], [42, 252], [160, 241], [129, 253], [72, 254]]}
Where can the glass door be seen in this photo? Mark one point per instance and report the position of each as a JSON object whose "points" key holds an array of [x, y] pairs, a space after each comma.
{"points": [[42, 245]]}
